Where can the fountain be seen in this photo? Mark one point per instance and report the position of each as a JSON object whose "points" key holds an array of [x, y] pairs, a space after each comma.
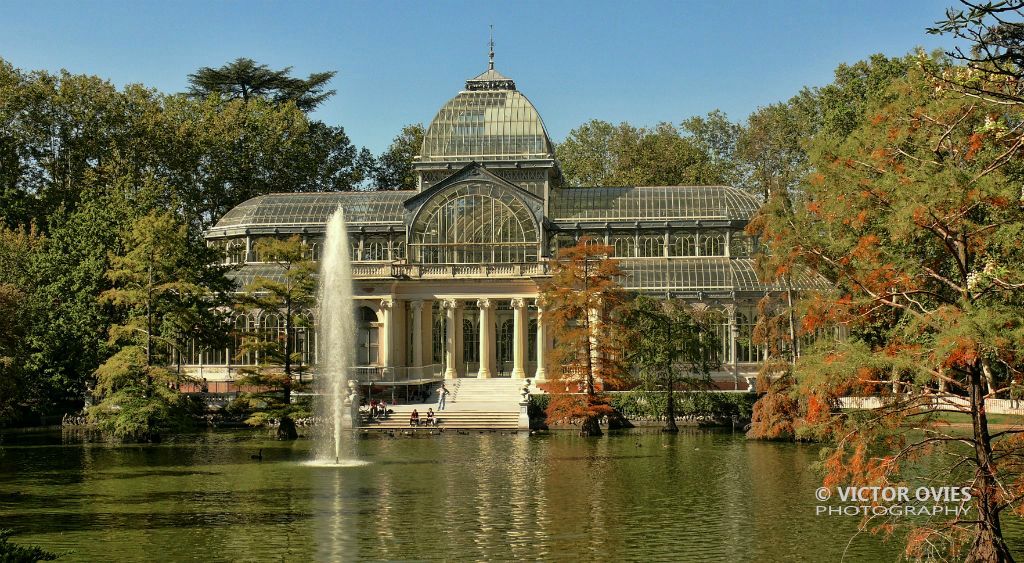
{"points": [[337, 407]]}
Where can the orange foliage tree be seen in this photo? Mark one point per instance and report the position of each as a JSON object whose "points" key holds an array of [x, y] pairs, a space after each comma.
{"points": [[582, 301], [918, 218]]}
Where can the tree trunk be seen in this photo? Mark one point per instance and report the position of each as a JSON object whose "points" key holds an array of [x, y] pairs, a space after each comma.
{"points": [[989, 545], [590, 426], [288, 352], [670, 407], [286, 429], [990, 378], [794, 351]]}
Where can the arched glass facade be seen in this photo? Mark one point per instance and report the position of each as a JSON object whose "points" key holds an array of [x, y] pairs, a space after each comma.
{"points": [[474, 224]]}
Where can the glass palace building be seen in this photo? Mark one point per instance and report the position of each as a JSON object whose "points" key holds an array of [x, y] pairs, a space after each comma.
{"points": [[446, 277]]}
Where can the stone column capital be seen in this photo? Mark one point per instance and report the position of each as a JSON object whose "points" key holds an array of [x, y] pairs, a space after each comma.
{"points": [[518, 303], [416, 305], [484, 303], [451, 304], [386, 304]]}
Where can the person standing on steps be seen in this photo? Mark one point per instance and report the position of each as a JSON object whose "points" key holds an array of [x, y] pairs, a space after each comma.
{"points": [[441, 394]]}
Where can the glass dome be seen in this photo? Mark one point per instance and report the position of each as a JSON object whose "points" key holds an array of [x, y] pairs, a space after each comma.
{"points": [[490, 120]]}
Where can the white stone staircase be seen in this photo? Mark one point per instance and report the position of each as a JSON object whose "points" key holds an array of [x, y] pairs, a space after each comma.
{"points": [[484, 404]]}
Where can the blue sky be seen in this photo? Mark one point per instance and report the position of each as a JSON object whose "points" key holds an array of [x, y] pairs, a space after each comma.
{"points": [[398, 62]]}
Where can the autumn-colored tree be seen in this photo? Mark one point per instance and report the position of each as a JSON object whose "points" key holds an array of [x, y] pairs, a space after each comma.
{"points": [[777, 410], [671, 345], [917, 217], [287, 294], [583, 300]]}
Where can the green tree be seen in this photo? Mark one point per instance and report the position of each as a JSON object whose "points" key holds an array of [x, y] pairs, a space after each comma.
{"points": [[583, 299], [772, 144], [287, 294], [19, 249], [394, 167], [13, 553], [215, 154], [671, 345], [163, 275], [917, 218], [587, 155], [716, 137], [698, 152], [58, 129], [245, 79]]}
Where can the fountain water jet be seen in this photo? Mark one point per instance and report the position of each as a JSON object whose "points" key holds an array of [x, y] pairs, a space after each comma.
{"points": [[336, 336]]}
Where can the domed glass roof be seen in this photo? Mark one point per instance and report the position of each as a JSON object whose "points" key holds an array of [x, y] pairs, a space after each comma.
{"points": [[489, 120]]}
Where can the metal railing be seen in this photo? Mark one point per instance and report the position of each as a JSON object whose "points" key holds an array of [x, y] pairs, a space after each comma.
{"points": [[938, 401], [415, 375]]}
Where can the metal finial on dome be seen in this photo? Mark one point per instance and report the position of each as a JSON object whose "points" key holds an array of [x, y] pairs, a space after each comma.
{"points": [[490, 79]]}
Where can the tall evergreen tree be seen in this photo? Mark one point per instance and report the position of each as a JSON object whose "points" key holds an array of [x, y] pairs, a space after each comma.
{"points": [[287, 295], [245, 79], [163, 278]]}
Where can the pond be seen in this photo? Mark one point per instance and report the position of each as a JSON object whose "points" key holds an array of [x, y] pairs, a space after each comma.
{"points": [[700, 495]]}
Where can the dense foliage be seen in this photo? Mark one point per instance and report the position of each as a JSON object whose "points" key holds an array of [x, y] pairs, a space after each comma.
{"points": [[671, 346], [81, 162]]}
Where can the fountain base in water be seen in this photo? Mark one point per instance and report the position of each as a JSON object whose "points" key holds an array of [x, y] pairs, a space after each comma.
{"points": [[335, 463]]}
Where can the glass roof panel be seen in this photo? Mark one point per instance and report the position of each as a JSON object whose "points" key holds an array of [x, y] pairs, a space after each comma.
{"points": [[655, 202], [314, 209], [706, 274]]}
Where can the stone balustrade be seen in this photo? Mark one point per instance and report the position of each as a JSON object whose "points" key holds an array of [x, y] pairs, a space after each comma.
{"points": [[447, 271]]}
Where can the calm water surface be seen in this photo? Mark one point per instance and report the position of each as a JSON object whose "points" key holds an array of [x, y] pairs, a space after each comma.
{"points": [[698, 496]]}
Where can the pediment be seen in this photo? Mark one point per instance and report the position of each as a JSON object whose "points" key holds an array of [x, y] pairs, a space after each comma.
{"points": [[475, 172]]}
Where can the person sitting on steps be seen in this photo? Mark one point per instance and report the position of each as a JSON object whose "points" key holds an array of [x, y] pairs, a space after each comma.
{"points": [[431, 421], [414, 418]]}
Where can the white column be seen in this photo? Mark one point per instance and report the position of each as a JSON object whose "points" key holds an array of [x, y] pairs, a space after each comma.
{"points": [[384, 356], [460, 340], [486, 331], [734, 332], [541, 374], [449, 345], [427, 332], [519, 338], [417, 333]]}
